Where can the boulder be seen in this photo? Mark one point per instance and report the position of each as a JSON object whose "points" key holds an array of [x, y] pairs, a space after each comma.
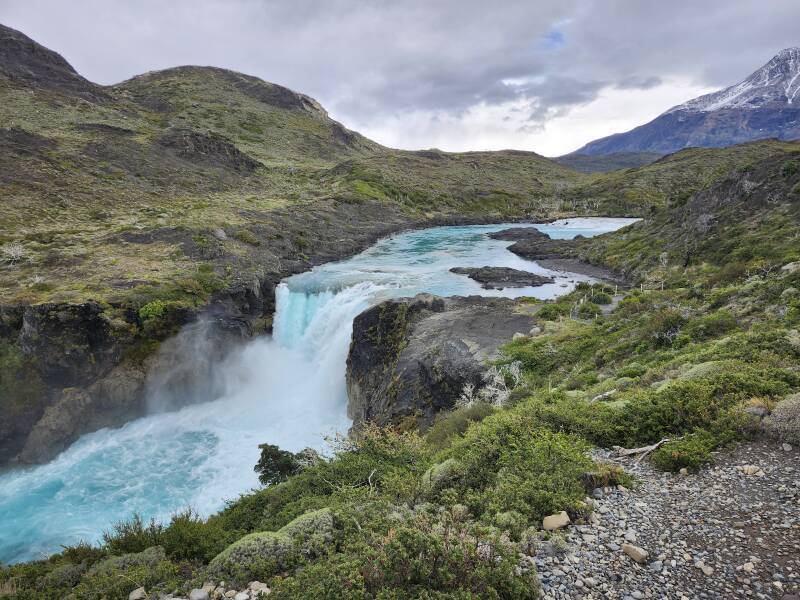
{"points": [[199, 594], [138, 594], [411, 358], [556, 521], [636, 553]]}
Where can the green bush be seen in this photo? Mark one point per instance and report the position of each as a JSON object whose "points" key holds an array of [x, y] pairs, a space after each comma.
{"points": [[246, 236], [551, 311], [790, 168], [275, 465], [426, 556], [455, 423], [664, 326], [601, 298], [155, 309], [710, 326], [510, 462], [133, 536], [690, 452], [784, 421], [189, 537], [589, 310]]}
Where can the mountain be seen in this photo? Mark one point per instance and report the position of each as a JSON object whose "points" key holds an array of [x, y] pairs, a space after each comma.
{"points": [[765, 105]]}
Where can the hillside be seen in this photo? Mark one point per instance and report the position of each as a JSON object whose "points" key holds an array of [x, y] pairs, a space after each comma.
{"points": [[700, 356], [763, 105], [603, 163]]}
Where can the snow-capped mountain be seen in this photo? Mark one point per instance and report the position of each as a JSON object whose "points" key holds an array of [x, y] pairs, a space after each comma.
{"points": [[777, 82], [765, 105]]}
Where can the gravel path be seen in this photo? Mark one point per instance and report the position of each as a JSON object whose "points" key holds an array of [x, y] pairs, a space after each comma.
{"points": [[726, 532]]}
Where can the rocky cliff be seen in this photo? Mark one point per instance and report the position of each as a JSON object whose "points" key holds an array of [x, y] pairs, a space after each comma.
{"points": [[409, 359]]}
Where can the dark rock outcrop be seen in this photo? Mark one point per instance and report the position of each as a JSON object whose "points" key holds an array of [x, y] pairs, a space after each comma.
{"points": [[411, 358], [498, 278], [208, 149]]}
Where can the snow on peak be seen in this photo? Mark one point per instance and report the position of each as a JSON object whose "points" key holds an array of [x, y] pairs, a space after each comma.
{"points": [[777, 82]]}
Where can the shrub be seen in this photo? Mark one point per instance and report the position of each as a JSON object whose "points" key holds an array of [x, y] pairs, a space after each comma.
{"points": [[690, 452], [664, 326], [260, 555], [188, 537], [589, 310], [455, 423], [784, 421], [426, 556], [155, 309], [551, 311], [275, 465], [246, 236], [710, 326], [133, 536], [116, 577], [511, 463], [789, 168], [601, 298]]}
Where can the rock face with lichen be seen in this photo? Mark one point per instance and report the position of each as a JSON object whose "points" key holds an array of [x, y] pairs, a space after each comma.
{"points": [[410, 358]]}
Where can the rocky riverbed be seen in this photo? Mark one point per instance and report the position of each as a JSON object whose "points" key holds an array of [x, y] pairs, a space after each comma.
{"points": [[730, 531]]}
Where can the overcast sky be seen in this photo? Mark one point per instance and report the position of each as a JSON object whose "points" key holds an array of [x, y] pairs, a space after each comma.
{"points": [[542, 75]]}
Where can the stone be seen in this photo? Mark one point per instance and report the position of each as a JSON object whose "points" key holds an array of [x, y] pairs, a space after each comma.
{"points": [[198, 594], [219, 233], [556, 521], [257, 586], [791, 267], [242, 596], [518, 336], [748, 567], [138, 594], [535, 331], [636, 553], [757, 411], [786, 447]]}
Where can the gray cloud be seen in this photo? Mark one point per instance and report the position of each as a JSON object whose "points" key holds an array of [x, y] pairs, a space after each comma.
{"points": [[371, 60]]}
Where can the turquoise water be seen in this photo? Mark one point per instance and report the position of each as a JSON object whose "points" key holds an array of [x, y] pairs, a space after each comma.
{"points": [[287, 389]]}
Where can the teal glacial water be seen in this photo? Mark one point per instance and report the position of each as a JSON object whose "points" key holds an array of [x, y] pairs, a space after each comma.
{"points": [[286, 389]]}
